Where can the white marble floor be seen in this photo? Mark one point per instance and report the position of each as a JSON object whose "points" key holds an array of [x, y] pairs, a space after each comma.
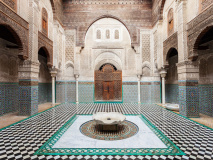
{"points": [[73, 138]]}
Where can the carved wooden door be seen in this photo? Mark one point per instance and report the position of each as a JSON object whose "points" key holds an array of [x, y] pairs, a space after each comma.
{"points": [[108, 91], [108, 84]]}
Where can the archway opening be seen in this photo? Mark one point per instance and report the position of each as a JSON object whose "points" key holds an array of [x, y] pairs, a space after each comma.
{"points": [[10, 46], [172, 91], [108, 83], [204, 46], [44, 86]]}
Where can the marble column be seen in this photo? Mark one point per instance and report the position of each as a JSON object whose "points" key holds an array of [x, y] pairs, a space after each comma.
{"points": [[76, 79], [163, 75], [139, 89], [53, 73]]}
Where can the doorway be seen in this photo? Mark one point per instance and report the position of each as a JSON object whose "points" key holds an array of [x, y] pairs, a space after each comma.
{"points": [[108, 83]]}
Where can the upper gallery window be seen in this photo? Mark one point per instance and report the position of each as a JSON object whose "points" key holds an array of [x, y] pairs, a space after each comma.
{"points": [[98, 34], [107, 34], [170, 22], [44, 21], [116, 34]]}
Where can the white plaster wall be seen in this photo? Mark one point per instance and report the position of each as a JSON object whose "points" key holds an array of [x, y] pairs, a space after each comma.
{"points": [[116, 51], [192, 9], [23, 9]]}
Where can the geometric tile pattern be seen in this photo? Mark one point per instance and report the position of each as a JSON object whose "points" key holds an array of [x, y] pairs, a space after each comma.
{"points": [[65, 92], [150, 94], [86, 93], [28, 100], [172, 93], [20, 141], [130, 93], [8, 98], [189, 101], [44, 92], [206, 99]]}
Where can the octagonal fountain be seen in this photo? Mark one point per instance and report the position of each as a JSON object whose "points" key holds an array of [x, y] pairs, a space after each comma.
{"points": [[109, 126]]}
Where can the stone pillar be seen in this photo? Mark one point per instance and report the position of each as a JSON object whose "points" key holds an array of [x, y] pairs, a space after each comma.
{"points": [[188, 75], [28, 87], [53, 73], [76, 78], [139, 89], [163, 75], [182, 31]]}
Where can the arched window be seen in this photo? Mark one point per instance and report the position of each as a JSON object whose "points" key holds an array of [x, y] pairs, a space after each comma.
{"points": [[98, 34], [170, 22], [117, 34], [107, 34], [44, 21]]}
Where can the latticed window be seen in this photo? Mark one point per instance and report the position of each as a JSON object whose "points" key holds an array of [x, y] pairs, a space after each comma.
{"points": [[98, 34], [107, 34], [116, 34], [170, 22], [44, 21]]}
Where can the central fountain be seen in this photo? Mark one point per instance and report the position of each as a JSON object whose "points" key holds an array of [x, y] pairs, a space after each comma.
{"points": [[108, 121]]}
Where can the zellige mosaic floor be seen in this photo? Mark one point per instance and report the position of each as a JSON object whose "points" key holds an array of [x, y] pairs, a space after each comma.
{"points": [[22, 140]]}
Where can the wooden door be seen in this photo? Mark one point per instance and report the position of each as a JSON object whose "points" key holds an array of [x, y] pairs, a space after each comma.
{"points": [[108, 91]]}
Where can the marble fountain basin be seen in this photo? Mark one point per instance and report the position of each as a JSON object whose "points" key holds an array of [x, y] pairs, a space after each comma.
{"points": [[108, 121], [173, 107]]}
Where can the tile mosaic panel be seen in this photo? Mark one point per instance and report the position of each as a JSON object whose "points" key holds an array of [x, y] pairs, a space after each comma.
{"points": [[44, 92], [206, 99], [28, 100], [130, 93], [150, 93], [65, 92], [86, 92], [8, 98], [189, 101], [172, 93]]}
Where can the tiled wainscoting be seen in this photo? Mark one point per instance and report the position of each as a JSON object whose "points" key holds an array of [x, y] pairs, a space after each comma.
{"points": [[65, 91], [150, 92], [172, 93], [44, 92], [8, 97], [130, 92], [206, 99]]}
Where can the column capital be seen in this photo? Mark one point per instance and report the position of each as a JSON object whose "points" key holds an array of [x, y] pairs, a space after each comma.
{"points": [[139, 76], [163, 72], [77, 76], [53, 71]]}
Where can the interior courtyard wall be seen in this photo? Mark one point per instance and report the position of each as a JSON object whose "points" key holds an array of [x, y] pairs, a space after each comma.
{"points": [[81, 14], [8, 78], [206, 81], [23, 9]]}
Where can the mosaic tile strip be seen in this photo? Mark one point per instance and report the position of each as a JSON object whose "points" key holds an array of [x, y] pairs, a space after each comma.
{"points": [[8, 98], [47, 148]]}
